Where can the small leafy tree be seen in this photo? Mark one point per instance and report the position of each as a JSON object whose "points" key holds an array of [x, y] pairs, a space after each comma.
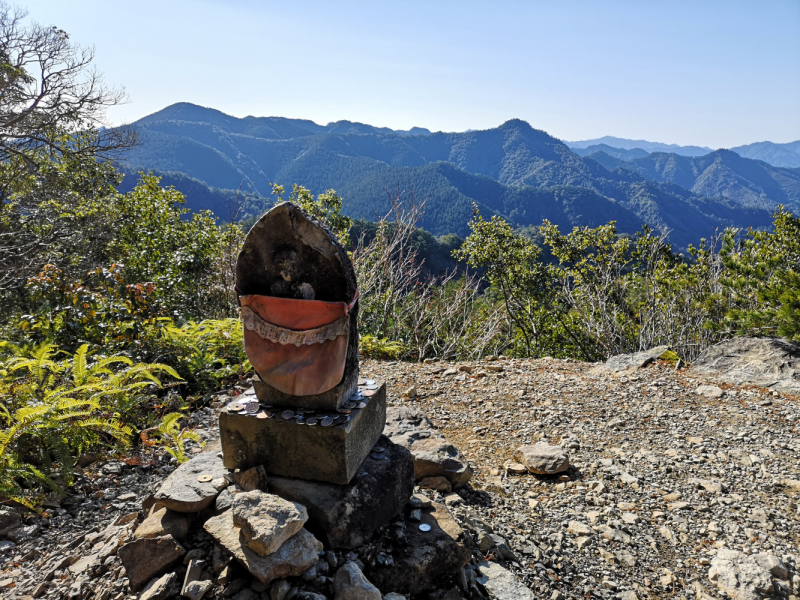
{"points": [[762, 279], [539, 323]]}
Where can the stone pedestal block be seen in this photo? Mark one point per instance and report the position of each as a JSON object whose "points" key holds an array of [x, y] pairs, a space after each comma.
{"points": [[428, 559], [346, 516], [330, 400], [293, 449]]}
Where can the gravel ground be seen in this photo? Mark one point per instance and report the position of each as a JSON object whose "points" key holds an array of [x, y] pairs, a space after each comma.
{"points": [[669, 475], [662, 478]]}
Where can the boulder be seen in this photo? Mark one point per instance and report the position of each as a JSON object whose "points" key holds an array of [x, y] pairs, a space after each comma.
{"points": [[436, 457], [767, 362], [625, 363], [266, 520], [296, 555], [433, 455], [161, 588], [346, 516], [189, 488], [350, 584], [146, 558], [225, 499], [501, 584], [542, 459], [428, 557], [745, 577], [164, 522]]}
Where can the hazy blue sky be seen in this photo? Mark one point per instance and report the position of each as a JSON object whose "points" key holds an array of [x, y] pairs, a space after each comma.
{"points": [[716, 73]]}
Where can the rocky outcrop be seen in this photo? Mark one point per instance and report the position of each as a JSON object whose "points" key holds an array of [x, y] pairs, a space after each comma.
{"points": [[767, 362], [295, 555]]}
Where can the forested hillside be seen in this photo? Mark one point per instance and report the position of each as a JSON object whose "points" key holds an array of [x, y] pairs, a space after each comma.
{"points": [[513, 170]]}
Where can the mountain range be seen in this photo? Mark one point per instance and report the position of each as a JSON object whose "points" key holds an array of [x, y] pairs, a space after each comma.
{"points": [[514, 170], [777, 155]]}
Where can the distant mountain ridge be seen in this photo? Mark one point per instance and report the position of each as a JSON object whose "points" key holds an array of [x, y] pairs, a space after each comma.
{"points": [[778, 155], [625, 144], [514, 170]]}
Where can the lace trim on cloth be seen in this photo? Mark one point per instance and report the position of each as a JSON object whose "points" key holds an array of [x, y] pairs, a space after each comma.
{"points": [[283, 336]]}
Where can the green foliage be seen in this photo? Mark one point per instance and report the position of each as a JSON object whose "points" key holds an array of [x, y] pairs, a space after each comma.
{"points": [[170, 432], [102, 310], [325, 208], [51, 410], [373, 347], [540, 324], [204, 354], [159, 243], [762, 280]]}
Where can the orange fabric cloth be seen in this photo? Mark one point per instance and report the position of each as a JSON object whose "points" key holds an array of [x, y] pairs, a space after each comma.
{"points": [[303, 370]]}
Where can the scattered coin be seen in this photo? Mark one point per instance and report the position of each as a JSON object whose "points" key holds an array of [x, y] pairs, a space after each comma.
{"points": [[379, 449], [369, 393], [262, 415], [424, 527], [251, 408], [362, 381], [350, 404], [301, 419], [370, 382], [250, 392], [204, 478], [235, 407], [311, 421], [377, 456], [361, 405], [287, 414], [327, 422], [344, 420], [371, 387], [344, 411]]}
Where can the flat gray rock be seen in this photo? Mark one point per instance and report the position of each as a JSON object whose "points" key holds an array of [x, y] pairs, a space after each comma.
{"points": [[625, 363], [295, 556], [183, 491], [350, 584], [266, 520], [542, 459], [161, 588], [146, 558], [766, 362], [502, 584]]}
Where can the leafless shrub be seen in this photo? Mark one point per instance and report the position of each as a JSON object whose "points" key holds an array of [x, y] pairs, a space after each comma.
{"points": [[443, 316]]}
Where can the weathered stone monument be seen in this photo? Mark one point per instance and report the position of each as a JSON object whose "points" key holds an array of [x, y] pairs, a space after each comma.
{"points": [[305, 465], [313, 423]]}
